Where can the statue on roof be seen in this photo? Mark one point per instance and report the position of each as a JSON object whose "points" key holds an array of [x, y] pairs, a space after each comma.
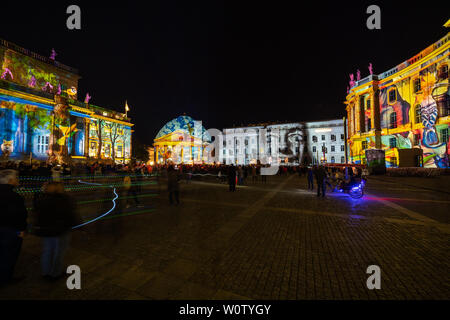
{"points": [[370, 68], [358, 75], [87, 98], [352, 81], [53, 55]]}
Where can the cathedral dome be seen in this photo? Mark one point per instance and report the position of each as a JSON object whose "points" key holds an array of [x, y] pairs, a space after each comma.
{"points": [[187, 125]]}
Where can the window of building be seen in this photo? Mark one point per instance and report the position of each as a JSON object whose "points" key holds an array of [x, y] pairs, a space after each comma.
{"points": [[333, 137], [224, 143], [119, 151], [418, 114], [314, 149], [368, 104], [332, 148], [392, 142], [416, 85], [323, 137], [444, 135], [369, 124], [393, 120], [342, 136], [342, 159], [224, 152], [314, 139], [443, 72], [332, 159], [342, 148], [364, 145], [42, 144], [392, 96]]}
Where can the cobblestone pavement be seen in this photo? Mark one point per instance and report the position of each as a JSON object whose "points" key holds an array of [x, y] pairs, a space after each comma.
{"points": [[265, 241]]}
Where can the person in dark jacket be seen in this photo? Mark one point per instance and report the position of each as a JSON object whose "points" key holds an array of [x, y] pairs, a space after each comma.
{"points": [[172, 185], [13, 223], [232, 178], [310, 179], [320, 179], [55, 217]]}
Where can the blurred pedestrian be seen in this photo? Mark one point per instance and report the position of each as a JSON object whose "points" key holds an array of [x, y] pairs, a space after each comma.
{"points": [[320, 177], [232, 178], [13, 223], [173, 185], [55, 216], [310, 175]]}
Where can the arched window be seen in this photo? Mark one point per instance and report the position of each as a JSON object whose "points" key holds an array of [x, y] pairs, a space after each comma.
{"points": [[332, 159], [418, 114], [314, 139], [393, 120]]}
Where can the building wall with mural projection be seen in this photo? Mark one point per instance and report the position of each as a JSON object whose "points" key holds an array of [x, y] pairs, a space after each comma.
{"points": [[405, 107], [40, 117]]}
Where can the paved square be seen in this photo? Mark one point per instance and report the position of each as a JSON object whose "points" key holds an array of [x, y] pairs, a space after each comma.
{"points": [[265, 241]]}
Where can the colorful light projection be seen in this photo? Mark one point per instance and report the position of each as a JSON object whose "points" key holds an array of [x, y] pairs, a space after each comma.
{"points": [[414, 110], [181, 140], [27, 71]]}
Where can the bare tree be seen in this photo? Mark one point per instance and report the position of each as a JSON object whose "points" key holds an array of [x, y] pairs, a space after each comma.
{"points": [[98, 132], [112, 132]]}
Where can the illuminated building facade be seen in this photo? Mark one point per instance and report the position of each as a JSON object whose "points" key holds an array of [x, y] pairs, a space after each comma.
{"points": [[405, 110], [41, 118], [181, 140], [297, 143]]}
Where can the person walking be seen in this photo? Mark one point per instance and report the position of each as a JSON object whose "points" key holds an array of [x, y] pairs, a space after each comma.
{"points": [[55, 216], [173, 185], [13, 223], [310, 175]]}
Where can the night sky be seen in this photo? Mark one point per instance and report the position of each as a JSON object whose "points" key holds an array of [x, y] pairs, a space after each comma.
{"points": [[225, 63]]}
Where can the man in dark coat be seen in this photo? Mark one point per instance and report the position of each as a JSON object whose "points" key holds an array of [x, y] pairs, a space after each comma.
{"points": [[13, 223], [232, 178], [172, 185], [320, 177], [310, 175], [55, 217]]}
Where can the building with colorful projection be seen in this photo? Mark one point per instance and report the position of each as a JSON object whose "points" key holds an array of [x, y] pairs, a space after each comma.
{"points": [[181, 140], [404, 112], [41, 118]]}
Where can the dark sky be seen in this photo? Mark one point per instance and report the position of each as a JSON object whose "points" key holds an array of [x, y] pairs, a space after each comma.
{"points": [[225, 63]]}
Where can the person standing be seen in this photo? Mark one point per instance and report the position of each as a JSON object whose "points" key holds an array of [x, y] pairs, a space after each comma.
{"points": [[254, 176], [173, 185], [13, 223], [320, 177], [310, 175], [263, 176], [232, 178], [55, 217]]}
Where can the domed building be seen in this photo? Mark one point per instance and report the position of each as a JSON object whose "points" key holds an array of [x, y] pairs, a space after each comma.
{"points": [[181, 140]]}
